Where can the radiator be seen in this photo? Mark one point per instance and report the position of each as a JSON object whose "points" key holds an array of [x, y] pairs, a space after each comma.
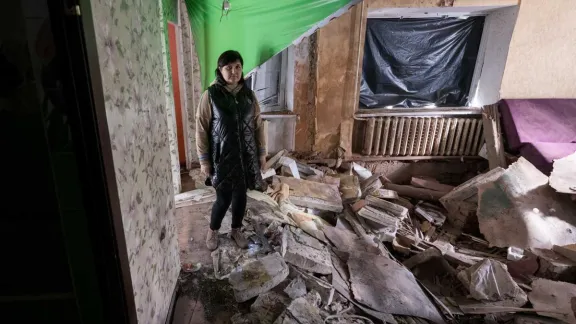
{"points": [[422, 136]]}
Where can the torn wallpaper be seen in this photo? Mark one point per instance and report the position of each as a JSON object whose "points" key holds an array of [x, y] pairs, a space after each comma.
{"points": [[258, 29]]}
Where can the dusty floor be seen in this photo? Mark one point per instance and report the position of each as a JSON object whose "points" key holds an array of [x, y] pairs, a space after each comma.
{"points": [[203, 299]]}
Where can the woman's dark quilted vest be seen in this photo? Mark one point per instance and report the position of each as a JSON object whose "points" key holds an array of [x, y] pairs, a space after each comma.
{"points": [[233, 141]]}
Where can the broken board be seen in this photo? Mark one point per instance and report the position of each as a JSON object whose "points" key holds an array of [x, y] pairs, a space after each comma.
{"points": [[312, 194], [387, 287]]}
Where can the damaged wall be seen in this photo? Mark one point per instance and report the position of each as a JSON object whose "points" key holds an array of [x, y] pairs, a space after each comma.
{"points": [[131, 45], [541, 61]]}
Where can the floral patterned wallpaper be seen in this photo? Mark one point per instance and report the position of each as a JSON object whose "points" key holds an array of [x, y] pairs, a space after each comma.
{"points": [[131, 50]]}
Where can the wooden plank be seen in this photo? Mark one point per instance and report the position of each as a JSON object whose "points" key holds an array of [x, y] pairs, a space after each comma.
{"points": [[493, 136]]}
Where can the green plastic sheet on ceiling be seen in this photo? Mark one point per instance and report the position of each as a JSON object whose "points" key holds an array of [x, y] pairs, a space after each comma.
{"points": [[258, 29]]}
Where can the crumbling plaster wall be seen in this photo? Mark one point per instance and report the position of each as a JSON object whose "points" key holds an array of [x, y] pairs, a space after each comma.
{"points": [[131, 53], [542, 57], [327, 70]]}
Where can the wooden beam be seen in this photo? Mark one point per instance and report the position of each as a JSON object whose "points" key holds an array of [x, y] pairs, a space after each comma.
{"points": [[360, 14], [493, 137]]}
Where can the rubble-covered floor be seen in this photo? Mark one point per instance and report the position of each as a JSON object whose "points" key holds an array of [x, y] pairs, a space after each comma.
{"points": [[362, 246]]}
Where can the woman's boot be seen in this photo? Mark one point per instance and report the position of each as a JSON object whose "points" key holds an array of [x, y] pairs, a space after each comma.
{"points": [[212, 240], [239, 238]]}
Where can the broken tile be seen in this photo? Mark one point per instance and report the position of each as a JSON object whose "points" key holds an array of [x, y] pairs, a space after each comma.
{"points": [[312, 194], [557, 297], [268, 306], [396, 210], [385, 286], [304, 256], [520, 209], [257, 277], [489, 280]]}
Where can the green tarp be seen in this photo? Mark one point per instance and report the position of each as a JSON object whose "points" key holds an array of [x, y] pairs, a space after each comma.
{"points": [[258, 29]]}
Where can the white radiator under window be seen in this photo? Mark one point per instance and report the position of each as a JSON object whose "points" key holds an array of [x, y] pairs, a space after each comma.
{"points": [[422, 136]]}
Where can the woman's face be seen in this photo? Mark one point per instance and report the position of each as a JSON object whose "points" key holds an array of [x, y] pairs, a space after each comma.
{"points": [[232, 72]]}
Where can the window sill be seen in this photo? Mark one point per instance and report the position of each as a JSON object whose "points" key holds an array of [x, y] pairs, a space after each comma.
{"points": [[278, 114], [427, 112]]}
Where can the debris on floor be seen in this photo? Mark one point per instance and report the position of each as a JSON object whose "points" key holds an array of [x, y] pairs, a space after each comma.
{"points": [[350, 246]]}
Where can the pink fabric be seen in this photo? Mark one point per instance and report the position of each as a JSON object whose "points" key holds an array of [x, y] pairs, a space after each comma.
{"points": [[538, 120]]}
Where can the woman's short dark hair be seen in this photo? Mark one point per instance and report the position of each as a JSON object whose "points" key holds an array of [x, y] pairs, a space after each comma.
{"points": [[225, 59]]}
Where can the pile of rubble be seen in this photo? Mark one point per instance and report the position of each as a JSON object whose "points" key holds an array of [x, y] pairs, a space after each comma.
{"points": [[353, 247]]}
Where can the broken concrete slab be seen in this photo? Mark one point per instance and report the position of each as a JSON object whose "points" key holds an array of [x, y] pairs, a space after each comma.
{"points": [[557, 297], [462, 202], [348, 241], [300, 311], [323, 288], [563, 176], [312, 194], [304, 256], [391, 208], [268, 306], [534, 319], [296, 288], [554, 266], [520, 209], [433, 214], [301, 237], [385, 286], [489, 280], [258, 276]]}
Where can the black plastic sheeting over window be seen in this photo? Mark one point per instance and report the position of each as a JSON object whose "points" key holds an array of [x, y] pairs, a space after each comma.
{"points": [[419, 62]]}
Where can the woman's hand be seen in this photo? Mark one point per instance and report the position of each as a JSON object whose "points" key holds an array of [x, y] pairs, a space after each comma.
{"points": [[206, 169], [262, 163]]}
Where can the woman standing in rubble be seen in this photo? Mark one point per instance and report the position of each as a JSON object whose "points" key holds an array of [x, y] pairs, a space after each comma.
{"points": [[231, 144]]}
